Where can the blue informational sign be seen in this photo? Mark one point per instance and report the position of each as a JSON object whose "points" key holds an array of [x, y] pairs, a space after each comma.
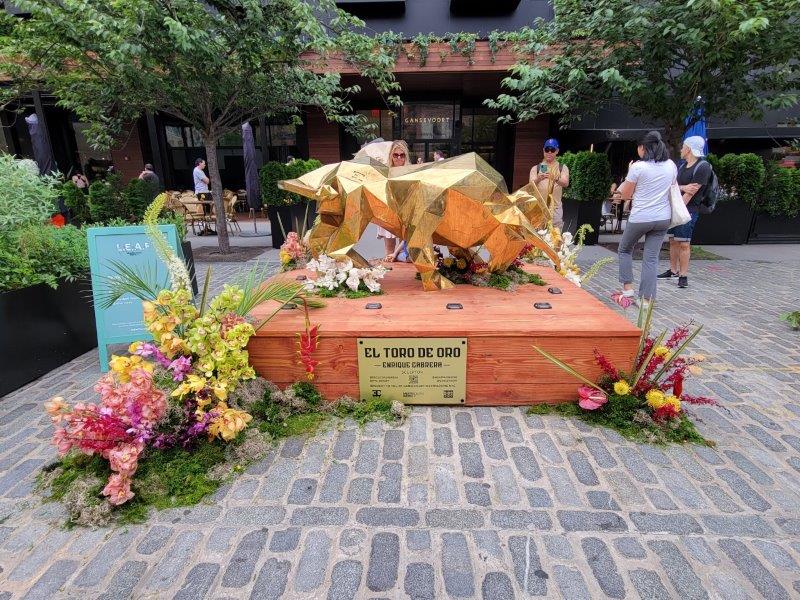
{"points": [[123, 322]]}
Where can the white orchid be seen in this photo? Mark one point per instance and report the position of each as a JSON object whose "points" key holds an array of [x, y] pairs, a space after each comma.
{"points": [[331, 274]]}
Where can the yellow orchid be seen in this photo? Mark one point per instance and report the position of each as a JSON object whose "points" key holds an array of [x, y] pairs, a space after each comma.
{"points": [[229, 422], [662, 351], [673, 401]]}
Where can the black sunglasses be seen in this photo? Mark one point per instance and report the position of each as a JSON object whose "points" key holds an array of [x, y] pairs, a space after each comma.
{"points": [[548, 149]]}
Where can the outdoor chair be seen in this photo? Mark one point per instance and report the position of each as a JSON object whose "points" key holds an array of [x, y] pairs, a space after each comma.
{"points": [[229, 200], [194, 212]]}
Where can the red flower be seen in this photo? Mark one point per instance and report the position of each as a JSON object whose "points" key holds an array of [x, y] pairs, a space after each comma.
{"points": [[591, 398], [606, 365], [309, 341], [668, 411], [698, 400], [677, 384], [58, 220]]}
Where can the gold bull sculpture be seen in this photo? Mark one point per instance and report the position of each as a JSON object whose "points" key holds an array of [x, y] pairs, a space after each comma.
{"points": [[460, 202]]}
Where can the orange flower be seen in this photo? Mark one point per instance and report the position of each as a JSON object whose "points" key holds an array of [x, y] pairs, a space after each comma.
{"points": [[58, 220]]}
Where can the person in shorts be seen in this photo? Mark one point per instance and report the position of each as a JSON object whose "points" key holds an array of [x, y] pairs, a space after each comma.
{"points": [[202, 192], [694, 177]]}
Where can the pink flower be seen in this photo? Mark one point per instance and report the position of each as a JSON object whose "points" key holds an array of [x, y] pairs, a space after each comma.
{"points": [[591, 398], [118, 489]]}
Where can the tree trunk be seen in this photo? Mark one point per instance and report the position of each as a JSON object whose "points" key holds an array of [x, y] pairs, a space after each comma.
{"points": [[673, 137], [216, 191]]}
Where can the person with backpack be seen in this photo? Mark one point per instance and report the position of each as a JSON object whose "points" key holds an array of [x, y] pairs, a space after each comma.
{"points": [[695, 180]]}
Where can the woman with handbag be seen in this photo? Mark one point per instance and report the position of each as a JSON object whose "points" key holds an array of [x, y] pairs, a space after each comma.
{"points": [[648, 183]]}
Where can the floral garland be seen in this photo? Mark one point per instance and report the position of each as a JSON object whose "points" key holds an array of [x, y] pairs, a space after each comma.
{"points": [[474, 271]]}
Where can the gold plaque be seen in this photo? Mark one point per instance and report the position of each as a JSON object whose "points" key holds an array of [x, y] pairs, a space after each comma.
{"points": [[413, 370]]}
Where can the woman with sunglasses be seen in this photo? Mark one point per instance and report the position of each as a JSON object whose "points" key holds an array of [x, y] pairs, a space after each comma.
{"points": [[398, 157], [550, 178]]}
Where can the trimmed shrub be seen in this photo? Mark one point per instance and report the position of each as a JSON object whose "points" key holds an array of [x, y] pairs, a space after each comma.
{"points": [[741, 176], [781, 192], [76, 200], [272, 172]]}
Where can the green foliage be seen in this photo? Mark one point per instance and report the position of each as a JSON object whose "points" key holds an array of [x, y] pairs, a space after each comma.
{"points": [[25, 196], [792, 318], [620, 414], [105, 201], [741, 176], [136, 197], [656, 58], [590, 176], [76, 200], [273, 172], [37, 254], [781, 191]]}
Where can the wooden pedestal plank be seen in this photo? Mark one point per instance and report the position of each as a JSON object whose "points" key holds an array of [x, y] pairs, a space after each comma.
{"points": [[501, 327]]}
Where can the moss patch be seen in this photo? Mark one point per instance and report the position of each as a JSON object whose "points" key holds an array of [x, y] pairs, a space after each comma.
{"points": [[625, 415]]}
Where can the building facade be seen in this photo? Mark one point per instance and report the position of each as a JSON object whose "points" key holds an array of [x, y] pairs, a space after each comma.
{"points": [[442, 110]]}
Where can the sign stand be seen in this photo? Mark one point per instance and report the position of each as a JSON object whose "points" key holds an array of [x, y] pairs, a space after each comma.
{"points": [[123, 322]]}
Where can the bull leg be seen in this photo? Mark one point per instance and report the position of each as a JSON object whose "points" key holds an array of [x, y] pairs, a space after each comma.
{"points": [[420, 249], [503, 245], [342, 241], [466, 254], [323, 232]]}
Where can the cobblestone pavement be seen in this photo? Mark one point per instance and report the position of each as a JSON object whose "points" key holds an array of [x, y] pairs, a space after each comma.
{"points": [[466, 502]]}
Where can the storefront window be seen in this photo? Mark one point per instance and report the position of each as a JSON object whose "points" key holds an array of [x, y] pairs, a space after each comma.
{"points": [[93, 162], [383, 122], [424, 121], [479, 132]]}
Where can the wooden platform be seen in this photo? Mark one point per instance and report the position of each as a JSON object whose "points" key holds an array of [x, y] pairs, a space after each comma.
{"points": [[501, 328]]}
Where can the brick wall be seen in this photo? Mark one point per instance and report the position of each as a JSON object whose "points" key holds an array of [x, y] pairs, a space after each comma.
{"points": [[323, 138], [528, 141], [127, 154]]}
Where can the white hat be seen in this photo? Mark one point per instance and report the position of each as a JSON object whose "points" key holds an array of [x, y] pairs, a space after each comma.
{"points": [[696, 144]]}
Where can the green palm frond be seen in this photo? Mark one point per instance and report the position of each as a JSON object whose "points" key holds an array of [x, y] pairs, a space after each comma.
{"points": [[141, 282], [257, 292]]}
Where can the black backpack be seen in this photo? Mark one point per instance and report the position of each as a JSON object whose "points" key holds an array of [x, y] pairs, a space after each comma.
{"points": [[712, 193]]}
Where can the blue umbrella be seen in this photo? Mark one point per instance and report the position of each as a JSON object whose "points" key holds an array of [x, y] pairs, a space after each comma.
{"points": [[699, 126]]}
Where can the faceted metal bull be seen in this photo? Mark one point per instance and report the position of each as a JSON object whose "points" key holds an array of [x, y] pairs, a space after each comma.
{"points": [[460, 202]]}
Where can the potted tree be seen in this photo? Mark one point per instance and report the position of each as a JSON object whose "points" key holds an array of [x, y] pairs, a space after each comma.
{"points": [[286, 211], [590, 182], [777, 218]]}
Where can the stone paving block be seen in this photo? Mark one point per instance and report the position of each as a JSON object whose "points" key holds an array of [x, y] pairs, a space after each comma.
{"points": [[255, 516], [418, 429], [582, 469], [464, 427], [198, 581], [564, 491], [169, 567], [521, 519], [345, 442], [746, 465], [442, 441], [360, 491], [271, 581], [440, 414], [314, 457], [417, 461], [384, 559], [313, 562], [457, 569], [527, 566], [700, 550], [678, 570], [303, 491], [511, 430], [558, 546], [393, 444], [387, 517], [345, 580], [47, 586], [471, 461], [243, 562], [484, 417], [418, 539], [648, 585], [635, 465], [603, 567], [765, 438], [761, 578], [317, 515], [419, 582], [776, 555], [94, 572], [367, 460], [599, 452], [746, 525], [390, 483], [292, 447], [477, 493], [351, 541], [488, 542], [39, 557], [538, 498], [720, 498], [601, 500], [660, 499], [444, 484], [124, 581], [333, 485], [526, 463], [505, 486], [629, 548], [285, 540], [657, 523], [454, 519], [682, 489], [571, 583], [791, 526], [277, 481], [497, 586]]}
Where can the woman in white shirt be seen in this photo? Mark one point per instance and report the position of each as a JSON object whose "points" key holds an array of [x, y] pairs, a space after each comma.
{"points": [[648, 183]]}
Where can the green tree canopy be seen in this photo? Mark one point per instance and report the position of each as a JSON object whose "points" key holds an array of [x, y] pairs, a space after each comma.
{"points": [[656, 57], [214, 64]]}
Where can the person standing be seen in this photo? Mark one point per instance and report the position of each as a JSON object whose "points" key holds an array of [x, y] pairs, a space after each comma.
{"points": [[202, 192], [398, 157], [694, 177], [550, 178], [149, 175], [648, 185]]}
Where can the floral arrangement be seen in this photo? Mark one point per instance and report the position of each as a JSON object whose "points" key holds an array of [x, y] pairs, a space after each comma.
{"points": [[648, 397], [293, 253], [473, 270], [173, 391], [334, 277], [567, 248]]}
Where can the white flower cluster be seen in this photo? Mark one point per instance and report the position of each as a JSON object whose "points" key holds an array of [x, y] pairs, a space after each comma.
{"points": [[332, 274], [567, 251]]}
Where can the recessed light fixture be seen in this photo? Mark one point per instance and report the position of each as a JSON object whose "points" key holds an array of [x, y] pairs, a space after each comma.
{"points": [[373, 306], [454, 306], [301, 278], [554, 290], [289, 306], [542, 305]]}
